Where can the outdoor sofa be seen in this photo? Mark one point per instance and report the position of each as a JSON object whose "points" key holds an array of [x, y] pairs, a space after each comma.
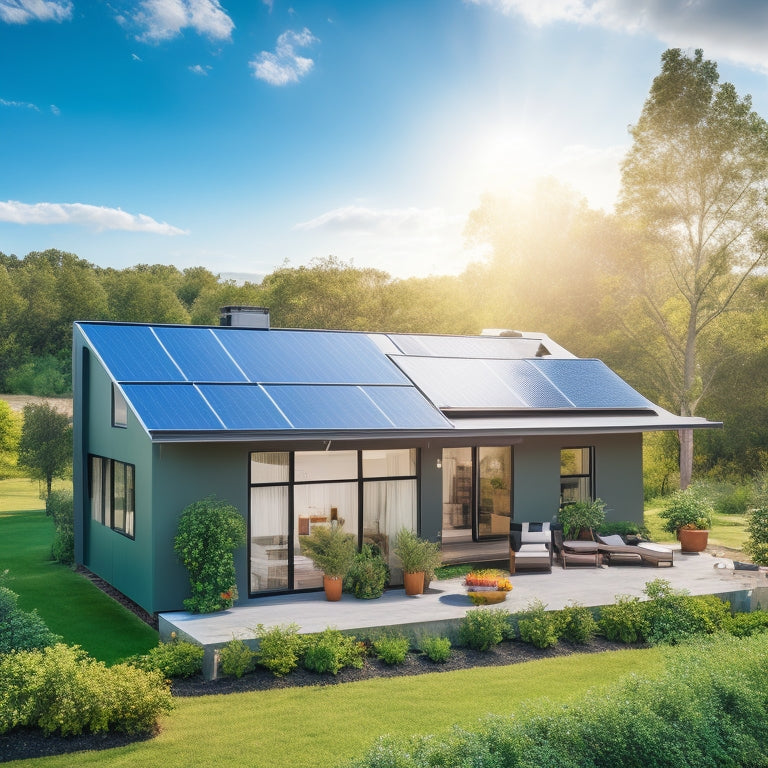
{"points": [[530, 547]]}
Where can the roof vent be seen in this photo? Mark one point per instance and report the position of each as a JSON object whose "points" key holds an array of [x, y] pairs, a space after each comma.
{"points": [[244, 317], [542, 351], [501, 332]]}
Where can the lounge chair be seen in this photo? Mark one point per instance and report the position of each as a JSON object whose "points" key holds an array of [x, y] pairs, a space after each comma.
{"points": [[576, 552], [615, 550], [530, 547]]}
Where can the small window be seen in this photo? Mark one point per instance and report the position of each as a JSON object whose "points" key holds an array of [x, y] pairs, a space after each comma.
{"points": [[112, 494], [577, 482], [119, 408]]}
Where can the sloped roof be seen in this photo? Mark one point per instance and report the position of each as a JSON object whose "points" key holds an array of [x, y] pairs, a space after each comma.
{"points": [[219, 383]]}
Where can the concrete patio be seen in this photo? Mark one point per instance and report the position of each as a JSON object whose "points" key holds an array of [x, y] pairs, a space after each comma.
{"points": [[442, 607]]}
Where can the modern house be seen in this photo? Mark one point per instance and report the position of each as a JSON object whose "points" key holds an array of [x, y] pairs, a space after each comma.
{"points": [[451, 436]]}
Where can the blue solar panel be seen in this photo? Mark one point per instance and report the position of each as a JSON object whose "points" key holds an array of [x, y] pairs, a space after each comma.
{"points": [[590, 384], [328, 407], [308, 357], [171, 407], [132, 353], [530, 385], [199, 355], [458, 383], [243, 406], [407, 408]]}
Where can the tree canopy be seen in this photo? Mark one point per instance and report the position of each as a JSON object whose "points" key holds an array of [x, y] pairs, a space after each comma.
{"points": [[46, 443]]}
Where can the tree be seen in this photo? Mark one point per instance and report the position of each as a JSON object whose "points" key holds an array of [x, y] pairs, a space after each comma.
{"points": [[10, 434], [693, 193], [45, 448]]}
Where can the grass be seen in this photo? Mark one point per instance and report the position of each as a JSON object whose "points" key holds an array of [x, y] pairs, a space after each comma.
{"points": [[70, 605], [326, 725]]}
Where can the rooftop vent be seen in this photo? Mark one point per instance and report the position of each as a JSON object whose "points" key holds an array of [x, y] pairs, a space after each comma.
{"points": [[244, 317], [501, 332]]}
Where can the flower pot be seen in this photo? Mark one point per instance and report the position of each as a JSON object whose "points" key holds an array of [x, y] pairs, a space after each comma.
{"points": [[692, 540], [487, 598], [332, 586], [413, 582]]}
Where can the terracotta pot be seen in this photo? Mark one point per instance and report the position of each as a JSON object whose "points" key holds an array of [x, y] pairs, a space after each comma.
{"points": [[332, 586], [692, 540], [413, 582]]}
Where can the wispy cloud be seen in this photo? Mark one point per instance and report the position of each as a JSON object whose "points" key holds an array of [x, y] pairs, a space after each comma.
{"points": [[355, 218], [165, 19], [199, 69], [24, 11], [83, 215], [734, 30], [55, 110], [19, 105], [285, 66]]}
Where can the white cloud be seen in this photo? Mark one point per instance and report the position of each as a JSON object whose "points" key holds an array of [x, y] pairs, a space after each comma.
{"points": [[136, 57], [284, 66], [166, 19], [733, 30], [55, 110], [199, 69], [80, 214], [355, 218], [19, 104], [24, 11]]}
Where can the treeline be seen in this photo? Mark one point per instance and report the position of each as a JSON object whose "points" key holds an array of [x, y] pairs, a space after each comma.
{"points": [[553, 266]]}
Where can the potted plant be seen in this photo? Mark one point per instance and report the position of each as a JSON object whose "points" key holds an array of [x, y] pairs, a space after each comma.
{"points": [[688, 514], [417, 557], [581, 516], [487, 586], [332, 551]]}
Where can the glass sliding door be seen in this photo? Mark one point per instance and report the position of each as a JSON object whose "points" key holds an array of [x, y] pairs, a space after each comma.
{"points": [[458, 494], [494, 492]]}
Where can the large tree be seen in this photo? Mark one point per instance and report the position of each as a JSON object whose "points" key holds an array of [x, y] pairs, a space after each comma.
{"points": [[694, 187], [46, 443]]}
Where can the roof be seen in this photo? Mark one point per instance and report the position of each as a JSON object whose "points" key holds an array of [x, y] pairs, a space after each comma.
{"points": [[198, 383]]}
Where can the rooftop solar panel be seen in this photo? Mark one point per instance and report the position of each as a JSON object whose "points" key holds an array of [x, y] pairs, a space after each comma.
{"points": [[243, 406], [478, 347], [308, 357], [406, 408], [132, 353], [199, 355], [171, 407]]}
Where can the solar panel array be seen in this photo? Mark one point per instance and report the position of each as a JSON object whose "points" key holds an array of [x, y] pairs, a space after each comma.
{"points": [[502, 385], [181, 378]]}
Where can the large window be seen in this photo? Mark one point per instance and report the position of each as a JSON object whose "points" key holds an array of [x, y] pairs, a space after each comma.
{"points": [[577, 480], [112, 494], [374, 493]]}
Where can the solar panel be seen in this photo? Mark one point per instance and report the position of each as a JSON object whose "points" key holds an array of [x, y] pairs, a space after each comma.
{"points": [[132, 352], [530, 385], [328, 407], [243, 406], [407, 408], [199, 355], [479, 347], [171, 407], [308, 357], [590, 384]]}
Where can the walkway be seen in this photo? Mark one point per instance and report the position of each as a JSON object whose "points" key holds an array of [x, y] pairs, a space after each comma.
{"points": [[445, 603]]}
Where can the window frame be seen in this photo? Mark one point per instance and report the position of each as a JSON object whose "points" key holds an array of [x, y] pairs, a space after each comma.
{"points": [[103, 508], [589, 475], [119, 408]]}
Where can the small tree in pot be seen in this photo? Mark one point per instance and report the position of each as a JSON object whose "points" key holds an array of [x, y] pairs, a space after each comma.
{"points": [[332, 551], [688, 514], [581, 516], [417, 557]]}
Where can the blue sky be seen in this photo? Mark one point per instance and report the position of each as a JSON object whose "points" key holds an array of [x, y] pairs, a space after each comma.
{"points": [[237, 134]]}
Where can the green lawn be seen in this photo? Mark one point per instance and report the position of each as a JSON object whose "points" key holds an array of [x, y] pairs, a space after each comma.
{"points": [[327, 725], [69, 604]]}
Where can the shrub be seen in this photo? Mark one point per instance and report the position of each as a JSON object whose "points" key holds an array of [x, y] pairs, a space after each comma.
{"points": [[209, 532], [688, 508], [175, 659], [537, 626], [623, 528], [62, 690], [60, 506], [624, 621], [734, 501], [416, 554], [279, 648], [580, 515], [392, 649], [746, 624], [756, 545], [437, 649], [331, 651], [576, 623], [21, 630], [368, 574], [236, 658], [482, 628]]}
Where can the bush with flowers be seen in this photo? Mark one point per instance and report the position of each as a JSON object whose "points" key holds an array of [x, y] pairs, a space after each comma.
{"points": [[488, 585]]}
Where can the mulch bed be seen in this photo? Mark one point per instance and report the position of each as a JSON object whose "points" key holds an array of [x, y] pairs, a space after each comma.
{"points": [[30, 743]]}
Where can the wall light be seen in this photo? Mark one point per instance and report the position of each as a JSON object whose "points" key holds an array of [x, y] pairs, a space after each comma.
{"points": [[439, 464]]}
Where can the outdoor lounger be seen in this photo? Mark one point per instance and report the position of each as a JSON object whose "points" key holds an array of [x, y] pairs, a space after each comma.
{"points": [[576, 552], [530, 546], [615, 550]]}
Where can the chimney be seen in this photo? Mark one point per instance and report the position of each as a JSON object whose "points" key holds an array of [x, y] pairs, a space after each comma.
{"points": [[244, 317]]}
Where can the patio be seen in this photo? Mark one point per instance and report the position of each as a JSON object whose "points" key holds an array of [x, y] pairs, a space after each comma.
{"points": [[445, 603]]}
